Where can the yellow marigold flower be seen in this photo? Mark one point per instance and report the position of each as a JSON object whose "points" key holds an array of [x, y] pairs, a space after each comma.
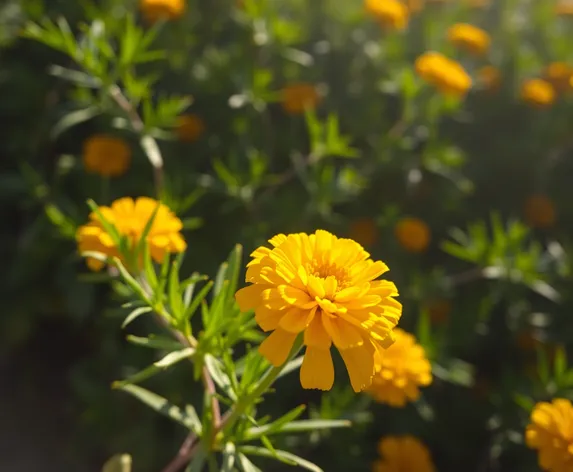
{"points": [[299, 96], [403, 453], [490, 78], [390, 13], [154, 10], [130, 218], [538, 92], [324, 287], [470, 38], [551, 432], [446, 75], [106, 156], [190, 127], [564, 8], [539, 211], [559, 75], [412, 234], [403, 369], [364, 231], [415, 6]]}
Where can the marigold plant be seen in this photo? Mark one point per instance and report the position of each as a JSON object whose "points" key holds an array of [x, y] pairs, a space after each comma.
{"points": [[538, 93], [401, 453], [412, 234], [189, 128], [324, 289], [296, 98], [390, 13], [448, 76], [154, 10], [106, 156], [470, 38]]}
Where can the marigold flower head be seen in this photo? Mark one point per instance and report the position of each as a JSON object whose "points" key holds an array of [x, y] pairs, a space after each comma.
{"points": [[550, 432], [190, 127], [403, 453], [364, 231], [130, 219], [539, 211], [490, 78], [106, 156], [448, 76], [470, 38], [403, 369], [564, 8], [412, 234], [538, 93], [559, 75], [390, 13], [299, 96], [324, 287], [154, 10]]}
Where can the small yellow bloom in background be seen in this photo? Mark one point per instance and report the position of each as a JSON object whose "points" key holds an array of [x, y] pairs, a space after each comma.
{"points": [[364, 231], [106, 156], [391, 14], [412, 234], [439, 310], [403, 453], [559, 75], [469, 38], [403, 369], [299, 96], [490, 78], [189, 127], [550, 432], [154, 10], [538, 93], [564, 8], [324, 288], [130, 218], [539, 211], [448, 76], [415, 6]]}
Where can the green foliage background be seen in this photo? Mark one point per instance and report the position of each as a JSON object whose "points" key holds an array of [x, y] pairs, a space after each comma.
{"points": [[381, 145]]}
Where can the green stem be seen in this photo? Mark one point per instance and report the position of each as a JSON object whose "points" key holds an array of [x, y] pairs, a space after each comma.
{"points": [[245, 402]]}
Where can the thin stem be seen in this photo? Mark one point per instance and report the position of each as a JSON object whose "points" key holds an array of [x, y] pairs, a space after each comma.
{"points": [[186, 451]]}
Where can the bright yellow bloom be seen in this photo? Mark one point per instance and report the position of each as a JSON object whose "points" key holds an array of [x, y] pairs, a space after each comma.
{"points": [[470, 38], [154, 10], [446, 75], [551, 433], [299, 96], [106, 156], [405, 453], [538, 92], [130, 218], [364, 231], [564, 8], [490, 78], [559, 75], [190, 127], [404, 368], [323, 287], [539, 211], [391, 14], [412, 234]]}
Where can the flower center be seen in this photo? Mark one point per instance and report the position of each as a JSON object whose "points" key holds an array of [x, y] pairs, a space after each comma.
{"points": [[323, 271]]}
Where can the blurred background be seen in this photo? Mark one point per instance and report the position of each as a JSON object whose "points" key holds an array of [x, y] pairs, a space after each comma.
{"points": [[273, 117]]}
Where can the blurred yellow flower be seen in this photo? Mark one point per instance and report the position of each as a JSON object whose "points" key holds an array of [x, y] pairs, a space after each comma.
{"points": [[415, 6], [130, 218], [391, 14], [439, 310], [550, 432], [490, 78], [539, 211], [364, 231], [412, 234], [559, 75], [538, 93], [190, 127], [401, 370], [470, 38], [446, 75], [403, 453], [106, 156], [299, 96], [154, 10], [323, 288], [564, 8]]}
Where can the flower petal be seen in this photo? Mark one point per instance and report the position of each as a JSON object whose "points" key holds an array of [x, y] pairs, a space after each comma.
{"points": [[277, 346], [317, 370], [343, 334], [315, 335], [268, 318], [359, 362], [249, 297], [296, 320]]}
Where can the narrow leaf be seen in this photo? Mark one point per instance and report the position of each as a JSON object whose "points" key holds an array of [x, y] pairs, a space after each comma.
{"points": [[135, 314], [118, 463], [284, 456]]}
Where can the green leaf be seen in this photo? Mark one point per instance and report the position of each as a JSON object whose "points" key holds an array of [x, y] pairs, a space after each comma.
{"points": [[169, 360], [159, 404], [198, 461], [118, 463], [524, 402], [560, 363], [299, 426], [129, 280], [284, 456], [155, 342], [72, 119], [291, 366], [215, 369], [228, 458], [135, 314], [145, 233], [246, 465], [190, 311], [174, 292], [275, 426], [109, 228]]}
